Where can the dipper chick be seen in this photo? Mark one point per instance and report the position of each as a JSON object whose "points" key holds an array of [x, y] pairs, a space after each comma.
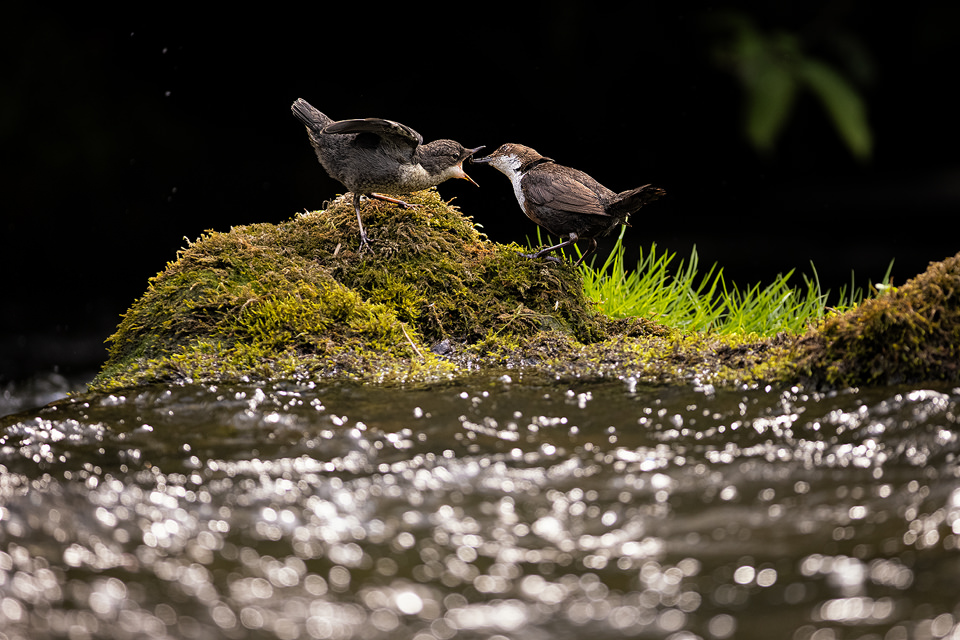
{"points": [[371, 155], [564, 201]]}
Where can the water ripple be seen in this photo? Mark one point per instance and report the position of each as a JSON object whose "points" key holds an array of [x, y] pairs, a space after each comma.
{"points": [[487, 510]]}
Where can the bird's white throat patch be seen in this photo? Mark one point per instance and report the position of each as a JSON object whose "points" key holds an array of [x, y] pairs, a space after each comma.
{"points": [[509, 165]]}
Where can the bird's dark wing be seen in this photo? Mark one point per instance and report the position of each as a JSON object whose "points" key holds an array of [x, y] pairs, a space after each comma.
{"points": [[565, 189], [378, 126]]}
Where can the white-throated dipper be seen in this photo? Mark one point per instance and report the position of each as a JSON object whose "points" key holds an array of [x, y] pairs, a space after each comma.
{"points": [[372, 155], [564, 201]]}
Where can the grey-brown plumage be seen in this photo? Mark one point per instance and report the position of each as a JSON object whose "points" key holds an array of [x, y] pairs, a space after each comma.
{"points": [[564, 201], [372, 156]]}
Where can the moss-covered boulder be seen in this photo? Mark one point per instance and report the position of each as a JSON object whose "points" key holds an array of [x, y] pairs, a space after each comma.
{"points": [[296, 300], [907, 334]]}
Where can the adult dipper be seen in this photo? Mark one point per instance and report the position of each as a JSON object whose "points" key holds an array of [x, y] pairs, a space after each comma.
{"points": [[564, 201], [372, 155]]}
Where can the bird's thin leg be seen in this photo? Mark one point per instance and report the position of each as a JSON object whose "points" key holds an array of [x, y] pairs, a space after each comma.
{"points": [[590, 250], [364, 243], [400, 203], [573, 238]]}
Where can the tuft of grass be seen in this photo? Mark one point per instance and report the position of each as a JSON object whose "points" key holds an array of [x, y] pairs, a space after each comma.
{"points": [[687, 298]]}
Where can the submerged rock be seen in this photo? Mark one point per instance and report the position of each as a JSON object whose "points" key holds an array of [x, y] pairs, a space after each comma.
{"points": [[435, 299]]}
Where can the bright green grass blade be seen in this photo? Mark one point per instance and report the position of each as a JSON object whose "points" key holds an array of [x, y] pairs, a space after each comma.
{"points": [[685, 299]]}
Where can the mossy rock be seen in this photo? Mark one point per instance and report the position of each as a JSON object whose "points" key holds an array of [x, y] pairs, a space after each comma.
{"points": [[297, 300], [907, 334]]}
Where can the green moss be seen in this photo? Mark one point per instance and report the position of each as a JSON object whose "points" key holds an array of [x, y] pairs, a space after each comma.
{"points": [[907, 334], [671, 356]]}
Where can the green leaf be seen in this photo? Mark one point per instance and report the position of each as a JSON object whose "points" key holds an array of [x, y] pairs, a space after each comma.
{"points": [[843, 103], [770, 89]]}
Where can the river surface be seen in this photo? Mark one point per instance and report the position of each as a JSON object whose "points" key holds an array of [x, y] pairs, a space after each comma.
{"points": [[496, 508]]}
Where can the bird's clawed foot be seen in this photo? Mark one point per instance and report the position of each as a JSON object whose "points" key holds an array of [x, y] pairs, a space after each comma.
{"points": [[534, 256], [573, 240], [364, 243]]}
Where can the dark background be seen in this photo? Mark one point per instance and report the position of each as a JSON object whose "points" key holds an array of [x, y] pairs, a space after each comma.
{"points": [[122, 134]]}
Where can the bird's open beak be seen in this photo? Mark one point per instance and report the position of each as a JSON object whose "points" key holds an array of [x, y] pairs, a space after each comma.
{"points": [[464, 173]]}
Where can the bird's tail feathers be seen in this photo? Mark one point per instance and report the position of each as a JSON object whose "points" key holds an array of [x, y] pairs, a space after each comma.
{"points": [[308, 115], [630, 201]]}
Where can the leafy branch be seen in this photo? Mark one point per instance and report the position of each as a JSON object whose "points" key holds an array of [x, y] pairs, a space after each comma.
{"points": [[773, 68]]}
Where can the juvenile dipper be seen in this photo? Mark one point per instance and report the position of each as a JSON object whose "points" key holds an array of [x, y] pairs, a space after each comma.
{"points": [[371, 155], [564, 201]]}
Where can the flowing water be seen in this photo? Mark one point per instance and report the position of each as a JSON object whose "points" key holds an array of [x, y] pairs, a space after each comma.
{"points": [[497, 508]]}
